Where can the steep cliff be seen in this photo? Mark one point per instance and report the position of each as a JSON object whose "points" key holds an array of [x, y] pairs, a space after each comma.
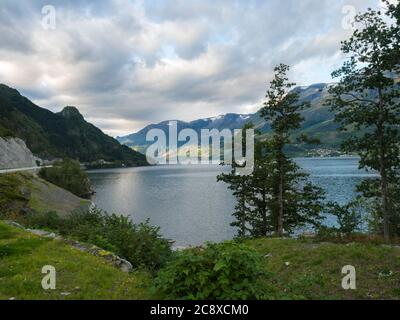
{"points": [[15, 154]]}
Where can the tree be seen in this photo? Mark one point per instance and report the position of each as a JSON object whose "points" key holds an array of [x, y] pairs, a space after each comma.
{"points": [[367, 98], [242, 189], [68, 174], [393, 12], [277, 197], [349, 216], [282, 110]]}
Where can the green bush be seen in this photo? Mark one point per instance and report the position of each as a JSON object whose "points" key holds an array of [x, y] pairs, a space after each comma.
{"points": [[5, 133], [349, 222], [39, 220], [141, 244], [229, 270], [68, 175]]}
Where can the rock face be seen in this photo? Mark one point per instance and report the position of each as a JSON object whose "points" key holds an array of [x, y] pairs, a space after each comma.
{"points": [[15, 154]]}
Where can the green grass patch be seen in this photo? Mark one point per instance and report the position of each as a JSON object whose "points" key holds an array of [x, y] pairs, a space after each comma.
{"points": [[79, 275], [294, 269], [309, 270], [10, 190]]}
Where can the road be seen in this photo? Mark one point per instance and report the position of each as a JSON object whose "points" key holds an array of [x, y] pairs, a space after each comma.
{"points": [[22, 169]]}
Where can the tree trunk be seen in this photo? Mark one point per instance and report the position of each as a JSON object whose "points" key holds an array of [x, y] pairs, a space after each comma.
{"points": [[280, 199], [385, 208], [264, 227], [383, 174]]}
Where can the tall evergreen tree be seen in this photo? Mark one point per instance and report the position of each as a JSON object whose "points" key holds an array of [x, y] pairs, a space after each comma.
{"points": [[367, 98], [277, 197], [292, 205]]}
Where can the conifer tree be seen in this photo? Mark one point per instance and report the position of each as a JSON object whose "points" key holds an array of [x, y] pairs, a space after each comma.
{"points": [[295, 200], [277, 197], [367, 99]]}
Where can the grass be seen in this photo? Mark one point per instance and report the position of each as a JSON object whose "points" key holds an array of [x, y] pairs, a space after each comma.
{"points": [[298, 269], [10, 191], [307, 270], [79, 275], [24, 191]]}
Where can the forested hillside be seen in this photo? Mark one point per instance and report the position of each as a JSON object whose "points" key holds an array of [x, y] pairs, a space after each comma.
{"points": [[57, 135]]}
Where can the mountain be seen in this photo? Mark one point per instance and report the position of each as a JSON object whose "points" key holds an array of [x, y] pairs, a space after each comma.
{"points": [[229, 121], [56, 135], [319, 123], [318, 119]]}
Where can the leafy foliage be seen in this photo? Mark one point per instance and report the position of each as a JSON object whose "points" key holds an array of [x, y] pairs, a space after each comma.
{"points": [[141, 244], [371, 203], [228, 270], [367, 98], [68, 175], [349, 217]]}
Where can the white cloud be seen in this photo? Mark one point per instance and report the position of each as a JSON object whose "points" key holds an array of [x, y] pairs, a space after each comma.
{"points": [[126, 63]]}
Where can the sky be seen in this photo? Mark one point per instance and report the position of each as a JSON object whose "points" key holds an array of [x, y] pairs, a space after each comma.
{"points": [[125, 64]]}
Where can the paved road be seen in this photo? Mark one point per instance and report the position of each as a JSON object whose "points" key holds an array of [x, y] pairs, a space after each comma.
{"points": [[22, 169]]}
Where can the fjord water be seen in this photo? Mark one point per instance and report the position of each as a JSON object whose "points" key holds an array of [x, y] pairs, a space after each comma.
{"points": [[190, 206]]}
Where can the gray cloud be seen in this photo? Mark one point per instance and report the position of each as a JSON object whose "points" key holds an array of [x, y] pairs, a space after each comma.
{"points": [[126, 63]]}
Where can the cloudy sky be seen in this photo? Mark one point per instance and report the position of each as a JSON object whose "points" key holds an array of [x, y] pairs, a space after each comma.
{"points": [[127, 63]]}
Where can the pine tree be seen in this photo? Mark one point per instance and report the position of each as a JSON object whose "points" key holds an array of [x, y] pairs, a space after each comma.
{"points": [[277, 197], [295, 200], [367, 98]]}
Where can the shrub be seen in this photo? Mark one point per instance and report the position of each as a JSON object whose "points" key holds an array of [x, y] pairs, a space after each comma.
{"points": [[49, 220], [68, 175], [349, 221], [13, 197], [220, 271], [141, 244]]}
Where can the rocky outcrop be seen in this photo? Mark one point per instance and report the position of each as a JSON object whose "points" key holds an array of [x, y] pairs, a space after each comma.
{"points": [[15, 154]]}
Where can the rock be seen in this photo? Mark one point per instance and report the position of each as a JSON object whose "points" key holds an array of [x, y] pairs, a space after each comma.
{"points": [[14, 224], [25, 191], [51, 235], [42, 233], [15, 154], [124, 265], [178, 248]]}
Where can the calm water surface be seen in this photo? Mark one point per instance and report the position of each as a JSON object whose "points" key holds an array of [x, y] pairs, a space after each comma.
{"points": [[190, 206]]}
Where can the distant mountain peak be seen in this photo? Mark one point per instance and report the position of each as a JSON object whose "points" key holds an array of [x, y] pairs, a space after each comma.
{"points": [[71, 112]]}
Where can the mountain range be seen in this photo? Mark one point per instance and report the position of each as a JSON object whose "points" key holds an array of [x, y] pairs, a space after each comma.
{"points": [[57, 135], [318, 123]]}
